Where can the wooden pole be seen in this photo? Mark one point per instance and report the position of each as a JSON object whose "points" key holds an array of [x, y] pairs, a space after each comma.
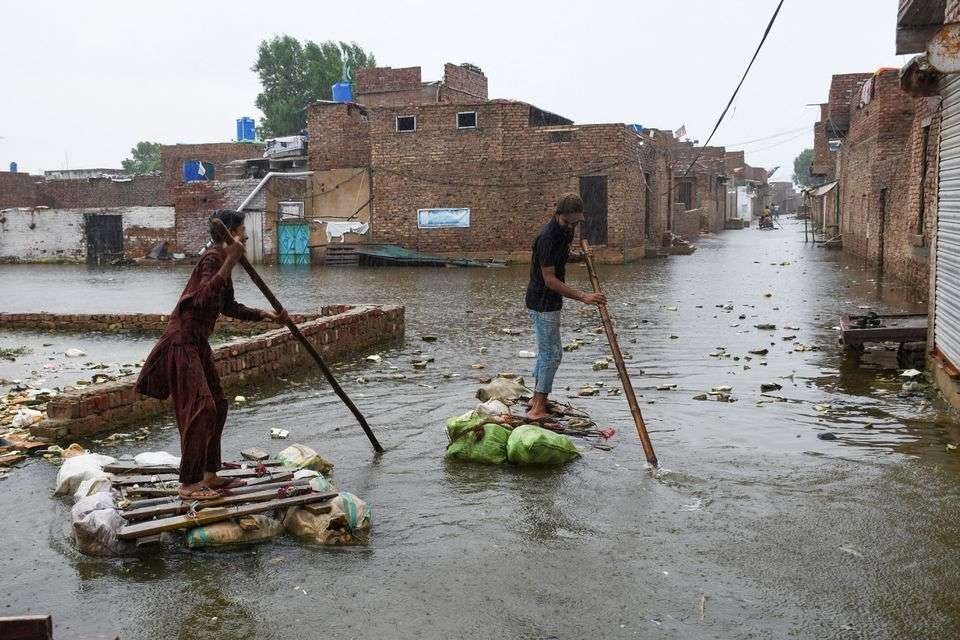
{"points": [[220, 232], [618, 360]]}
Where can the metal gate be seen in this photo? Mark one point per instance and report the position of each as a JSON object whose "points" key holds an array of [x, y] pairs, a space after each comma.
{"points": [[294, 243], [104, 237], [946, 319], [593, 192]]}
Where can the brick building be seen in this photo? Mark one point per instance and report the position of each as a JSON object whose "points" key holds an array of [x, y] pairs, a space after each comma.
{"points": [[701, 183], [505, 161], [873, 140], [219, 154], [929, 28], [408, 148]]}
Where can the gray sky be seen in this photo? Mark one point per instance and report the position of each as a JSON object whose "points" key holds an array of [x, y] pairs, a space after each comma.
{"points": [[84, 81]]}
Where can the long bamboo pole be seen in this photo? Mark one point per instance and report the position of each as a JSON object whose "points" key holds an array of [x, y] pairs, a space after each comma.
{"points": [[220, 231], [618, 360]]}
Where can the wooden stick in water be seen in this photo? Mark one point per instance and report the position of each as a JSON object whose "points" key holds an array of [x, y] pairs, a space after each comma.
{"points": [[219, 231], [618, 360]]}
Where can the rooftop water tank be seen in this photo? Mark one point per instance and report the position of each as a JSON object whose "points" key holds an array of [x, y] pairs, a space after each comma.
{"points": [[13, 167], [246, 130], [342, 92]]}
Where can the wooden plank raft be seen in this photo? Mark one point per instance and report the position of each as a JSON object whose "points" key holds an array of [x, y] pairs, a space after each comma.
{"points": [[176, 505], [129, 466], [218, 514], [130, 479], [275, 481]]}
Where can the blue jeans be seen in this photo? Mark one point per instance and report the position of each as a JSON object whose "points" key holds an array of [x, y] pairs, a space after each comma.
{"points": [[546, 328]]}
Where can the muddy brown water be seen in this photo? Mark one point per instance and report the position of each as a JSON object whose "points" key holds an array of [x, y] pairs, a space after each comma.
{"points": [[753, 528]]}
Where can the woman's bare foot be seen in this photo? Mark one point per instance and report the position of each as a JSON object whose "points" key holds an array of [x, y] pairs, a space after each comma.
{"points": [[226, 483], [197, 491]]}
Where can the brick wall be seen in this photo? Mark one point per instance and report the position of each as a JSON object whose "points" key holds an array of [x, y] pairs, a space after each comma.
{"points": [[153, 323], [880, 166], [507, 172], [462, 83], [385, 86], [58, 235], [23, 190], [18, 190], [102, 407], [657, 162], [685, 223], [339, 136], [219, 154], [844, 94]]}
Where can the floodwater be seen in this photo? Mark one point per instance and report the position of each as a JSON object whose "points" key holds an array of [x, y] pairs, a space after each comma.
{"points": [[752, 528]]}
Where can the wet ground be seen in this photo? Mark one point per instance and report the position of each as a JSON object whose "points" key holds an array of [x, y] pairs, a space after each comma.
{"points": [[753, 528]]}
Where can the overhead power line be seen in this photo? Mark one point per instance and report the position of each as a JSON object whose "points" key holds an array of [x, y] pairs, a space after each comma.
{"points": [[766, 32], [770, 137]]}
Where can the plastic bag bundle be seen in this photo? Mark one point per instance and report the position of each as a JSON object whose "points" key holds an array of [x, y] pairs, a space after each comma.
{"points": [[530, 444], [484, 444], [300, 456], [96, 523], [230, 532], [156, 459], [346, 523], [75, 470]]}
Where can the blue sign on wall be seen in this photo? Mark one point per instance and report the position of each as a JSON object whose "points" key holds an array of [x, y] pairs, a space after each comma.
{"points": [[443, 218]]}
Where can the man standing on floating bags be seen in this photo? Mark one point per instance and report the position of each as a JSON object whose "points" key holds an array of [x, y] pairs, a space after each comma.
{"points": [[181, 364], [545, 294]]}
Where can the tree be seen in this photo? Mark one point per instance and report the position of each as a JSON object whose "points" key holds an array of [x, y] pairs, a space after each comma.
{"points": [[145, 158], [801, 169], [293, 75]]}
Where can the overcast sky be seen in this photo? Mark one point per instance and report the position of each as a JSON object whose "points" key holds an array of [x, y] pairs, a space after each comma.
{"points": [[84, 81]]}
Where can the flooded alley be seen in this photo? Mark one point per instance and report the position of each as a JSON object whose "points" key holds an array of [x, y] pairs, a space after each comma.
{"points": [[753, 527]]}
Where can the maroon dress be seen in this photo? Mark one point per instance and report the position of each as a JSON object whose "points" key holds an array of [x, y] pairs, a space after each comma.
{"points": [[181, 365]]}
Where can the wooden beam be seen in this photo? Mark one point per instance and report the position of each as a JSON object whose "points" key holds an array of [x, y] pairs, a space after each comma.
{"points": [[274, 481], [26, 628], [177, 506], [214, 514]]}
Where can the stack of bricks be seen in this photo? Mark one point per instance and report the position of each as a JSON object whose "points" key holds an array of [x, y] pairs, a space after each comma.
{"points": [[106, 406], [339, 136], [142, 191]]}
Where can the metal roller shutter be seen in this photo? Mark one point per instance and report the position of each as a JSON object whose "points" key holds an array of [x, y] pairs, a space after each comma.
{"points": [[947, 307]]}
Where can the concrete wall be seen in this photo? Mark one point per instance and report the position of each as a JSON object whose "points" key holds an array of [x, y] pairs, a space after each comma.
{"points": [[57, 235], [106, 406]]}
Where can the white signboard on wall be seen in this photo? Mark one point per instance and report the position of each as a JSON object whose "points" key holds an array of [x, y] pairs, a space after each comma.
{"points": [[443, 218]]}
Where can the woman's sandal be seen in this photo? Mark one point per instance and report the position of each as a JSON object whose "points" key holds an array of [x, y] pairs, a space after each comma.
{"points": [[203, 493]]}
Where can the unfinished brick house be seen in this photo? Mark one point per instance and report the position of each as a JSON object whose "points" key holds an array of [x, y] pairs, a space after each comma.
{"points": [[219, 154], [701, 183], [502, 163], [388, 87], [875, 143]]}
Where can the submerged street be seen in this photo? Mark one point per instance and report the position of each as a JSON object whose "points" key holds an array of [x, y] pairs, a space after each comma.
{"points": [[752, 527]]}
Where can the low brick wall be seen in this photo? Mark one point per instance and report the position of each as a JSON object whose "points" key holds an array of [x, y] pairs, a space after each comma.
{"points": [[686, 224], [140, 322], [106, 406]]}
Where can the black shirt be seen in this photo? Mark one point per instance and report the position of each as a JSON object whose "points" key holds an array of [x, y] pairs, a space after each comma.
{"points": [[550, 249]]}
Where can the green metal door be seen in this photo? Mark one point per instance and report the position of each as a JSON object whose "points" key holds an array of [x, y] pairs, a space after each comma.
{"points": [[294, 243]]}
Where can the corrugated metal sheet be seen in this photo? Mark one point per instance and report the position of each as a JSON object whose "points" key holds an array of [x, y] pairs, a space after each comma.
{"points": [[823, 190], [947, 306]]}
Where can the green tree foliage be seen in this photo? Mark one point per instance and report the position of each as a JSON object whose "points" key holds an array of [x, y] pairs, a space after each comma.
{"points": [[293, 75], [801, 169], [144, 158]]}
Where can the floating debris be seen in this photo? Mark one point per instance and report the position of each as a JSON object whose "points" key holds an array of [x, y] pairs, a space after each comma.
{"points": [[429, 338], [239, 399], [526, 354], [759, 352], [911, 373], [588, 391], [770, 386], [766, 327], [827, 435], [510, 331], [279, 434], [74, 353], [374, 358], [666, 387], [600, 365]]}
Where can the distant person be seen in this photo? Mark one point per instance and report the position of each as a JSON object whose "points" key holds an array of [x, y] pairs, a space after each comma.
{"points": [[181, 363], [545, 293]]}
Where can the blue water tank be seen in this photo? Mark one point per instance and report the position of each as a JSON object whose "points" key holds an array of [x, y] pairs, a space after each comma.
{"points": [[13, 167], [342, 92], [246, 130]]}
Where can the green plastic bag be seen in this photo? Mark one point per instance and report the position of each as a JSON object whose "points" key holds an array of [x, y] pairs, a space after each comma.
{"points": [[459, 424], [530, 444], [489, 449]]}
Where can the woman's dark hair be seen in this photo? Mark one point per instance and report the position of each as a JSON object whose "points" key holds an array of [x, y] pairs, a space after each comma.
{"points": [[570, 203], [231, 219]]}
